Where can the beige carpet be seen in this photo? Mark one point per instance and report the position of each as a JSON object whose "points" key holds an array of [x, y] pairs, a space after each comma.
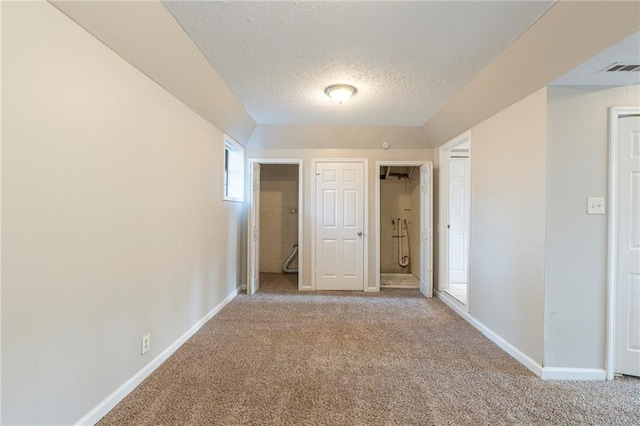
{"points": [[335, 358]]}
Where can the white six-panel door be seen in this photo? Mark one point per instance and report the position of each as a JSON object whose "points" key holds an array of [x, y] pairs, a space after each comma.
{"points": [[627, 360], [253, 263], [339, 226], [458, 219], [426, 266]]}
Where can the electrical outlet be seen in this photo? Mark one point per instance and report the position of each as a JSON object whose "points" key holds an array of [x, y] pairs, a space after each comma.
{"points": [[146, 343]]}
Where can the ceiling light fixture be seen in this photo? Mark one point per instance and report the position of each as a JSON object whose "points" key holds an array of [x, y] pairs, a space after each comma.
{"points": [[340, 93]]}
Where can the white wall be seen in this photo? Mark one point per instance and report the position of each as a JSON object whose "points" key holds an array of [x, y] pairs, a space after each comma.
{"points": [[335, 137], [296, 137], [576, 246], [278, 215], [508, 223], [113, 224]]}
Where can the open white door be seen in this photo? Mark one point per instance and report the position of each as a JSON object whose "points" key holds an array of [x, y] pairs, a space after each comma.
{"points": [[253, 264], [458, 219], [339, 226], [426, 212], [627, 337]]}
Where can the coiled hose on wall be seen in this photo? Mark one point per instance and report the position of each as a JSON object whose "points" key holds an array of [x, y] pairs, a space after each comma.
{"points": [[286, 267], [403, 260]]}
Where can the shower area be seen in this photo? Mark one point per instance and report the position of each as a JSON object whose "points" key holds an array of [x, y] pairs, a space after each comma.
{"points": [[399, 226]]}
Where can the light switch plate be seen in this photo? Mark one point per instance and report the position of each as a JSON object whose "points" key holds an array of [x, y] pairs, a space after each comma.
{"points": [[595, 205]]}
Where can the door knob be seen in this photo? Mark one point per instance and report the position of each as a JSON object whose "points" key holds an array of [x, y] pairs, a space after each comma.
{"points": [[359, 233]]}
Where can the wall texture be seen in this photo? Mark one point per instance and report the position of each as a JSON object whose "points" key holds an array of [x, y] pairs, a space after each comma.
{"points": [[576, 246], [278, 215], [113, 224], [508, 223]]}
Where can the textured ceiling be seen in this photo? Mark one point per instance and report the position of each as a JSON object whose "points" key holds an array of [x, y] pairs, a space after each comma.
{"points": [[407, 59]]}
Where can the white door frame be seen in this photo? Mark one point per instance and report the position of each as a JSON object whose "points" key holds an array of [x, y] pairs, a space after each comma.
{"points": [[301, 246], [398, 163], [443, 218], [365, 237], [615, 113]]}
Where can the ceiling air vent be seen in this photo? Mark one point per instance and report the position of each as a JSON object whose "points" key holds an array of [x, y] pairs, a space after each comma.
{"points": [[622, 68]]}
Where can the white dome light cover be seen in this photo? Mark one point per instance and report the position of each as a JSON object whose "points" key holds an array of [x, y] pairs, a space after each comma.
{"points": [[340, 93]]}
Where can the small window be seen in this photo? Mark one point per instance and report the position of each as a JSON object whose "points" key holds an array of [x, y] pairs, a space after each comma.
{"points": [[233, 170]]}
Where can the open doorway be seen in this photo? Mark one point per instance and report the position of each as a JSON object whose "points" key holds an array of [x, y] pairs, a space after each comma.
{"points": [[455, 209], [403, 220], [275, 223], [623, 282]]}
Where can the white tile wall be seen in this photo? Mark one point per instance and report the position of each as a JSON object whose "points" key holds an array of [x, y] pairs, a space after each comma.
{"points": [[278, 215], [395, 202]]}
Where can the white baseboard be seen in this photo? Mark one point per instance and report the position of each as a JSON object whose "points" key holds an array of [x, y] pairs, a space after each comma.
{"points": [[560, 373], [93, 416], [520, 356]]}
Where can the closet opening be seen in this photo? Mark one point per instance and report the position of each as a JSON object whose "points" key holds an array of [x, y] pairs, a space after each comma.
{"points": [[275, 224]]}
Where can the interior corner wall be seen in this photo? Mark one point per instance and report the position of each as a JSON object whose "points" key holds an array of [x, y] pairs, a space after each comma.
{"points": [[576, 247], [508, 223], [112, 215]]}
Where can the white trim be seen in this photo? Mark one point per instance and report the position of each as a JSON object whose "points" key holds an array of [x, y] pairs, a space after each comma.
{"points": [[253, 257], [516, 353], [376, 197], [560, 373], [452, 302], [443, 216], [99, 411], [232, 145], [301, 213], [456, 141], [1, 238], [365, 253], [612, 230]]}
